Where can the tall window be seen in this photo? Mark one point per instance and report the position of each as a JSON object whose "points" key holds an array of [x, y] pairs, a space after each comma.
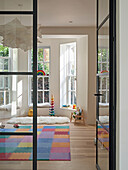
{"points": [[103, 65], [68, 74], [43, 64], [5, 61]]}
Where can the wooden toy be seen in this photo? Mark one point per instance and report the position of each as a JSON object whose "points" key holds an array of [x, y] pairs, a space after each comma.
{"points": [[51, 110]]}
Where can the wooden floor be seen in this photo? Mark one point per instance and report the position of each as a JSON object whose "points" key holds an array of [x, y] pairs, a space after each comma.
{"points": [[82, 153]]}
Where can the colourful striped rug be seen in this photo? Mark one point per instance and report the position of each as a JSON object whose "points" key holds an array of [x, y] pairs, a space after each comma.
{"points": [[103, 136], [53, 144]]}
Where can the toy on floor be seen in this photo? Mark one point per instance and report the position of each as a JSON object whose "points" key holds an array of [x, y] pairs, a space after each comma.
{"points": [[2, 126], [16, 126], [30, 112], [78, 115], [74, 106], [77, 112], [51, 110]]}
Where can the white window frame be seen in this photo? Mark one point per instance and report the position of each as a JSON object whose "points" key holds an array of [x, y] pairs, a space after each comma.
{"points": [[43, 77], [102, 77], [4, 89], [65, 75]]}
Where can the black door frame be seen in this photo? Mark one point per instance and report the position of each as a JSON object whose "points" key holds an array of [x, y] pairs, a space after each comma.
{"points": [[112, 84], [34, 73]]}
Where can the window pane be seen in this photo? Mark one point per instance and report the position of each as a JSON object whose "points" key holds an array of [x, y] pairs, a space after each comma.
{"points": [[107, 83], [46, 68], [104, 97], [72, 83], [104, 83], [40, 96], [7, 97], [5, 64], [1, 64], [31, 83], [72, 69], [107, 96], [103, 10], [17, 34], [40, 83], [73, 98], [40, 54], [99, 68], [1, 82], [6, 82], [46, 55], [46, 83], [46, 96], [1, 98], [40, 66], [99, 55], [4, 51], [99, 83], [31, 96], [104, 55], [15, 5], [104, 66]]}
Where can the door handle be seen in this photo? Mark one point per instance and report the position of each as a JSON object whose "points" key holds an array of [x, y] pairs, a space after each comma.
{"points": [[98, 94]]}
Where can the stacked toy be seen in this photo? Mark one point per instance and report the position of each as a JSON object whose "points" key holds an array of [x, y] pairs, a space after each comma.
{"points": [[51, 110]]}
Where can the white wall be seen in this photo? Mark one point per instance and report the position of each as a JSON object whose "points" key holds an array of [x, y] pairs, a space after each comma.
{"points": [[122, 85], [82, 73], [82, 55]]}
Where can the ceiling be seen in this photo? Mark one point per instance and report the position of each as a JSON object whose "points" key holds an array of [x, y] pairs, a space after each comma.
{"points": [[57, 12], [61, 12]]}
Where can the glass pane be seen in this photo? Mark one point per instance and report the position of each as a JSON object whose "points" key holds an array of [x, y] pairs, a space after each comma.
{"points": [[103, 40], [17, 34], [1, 98], [2, 82], [31, 80], [104, 97], [72, 83], [40, 66], [15, 101], [16, 148], [40, 54], [6, 82], [104, 66], [15, 5], [46, 55], [107, 96], [7, 97], [40, 83], [99, 55], [46, 68], [6, 64], [99, 67], [31, 96], [1, 65], [103, 10], [46, 96], [103, 147], [46, 83], [104, 83], [104, 55], [40, 96]]}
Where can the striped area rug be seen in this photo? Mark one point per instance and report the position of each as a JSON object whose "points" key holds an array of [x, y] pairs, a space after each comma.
{"points": [[53, 144], [103, 136]]}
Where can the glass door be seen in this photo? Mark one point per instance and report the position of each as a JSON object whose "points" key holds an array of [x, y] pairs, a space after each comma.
{"points": [[18, 35], [106, 85]]}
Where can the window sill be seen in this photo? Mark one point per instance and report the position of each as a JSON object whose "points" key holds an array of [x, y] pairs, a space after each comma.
{"points": [[70, 109], [103, 104]]}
